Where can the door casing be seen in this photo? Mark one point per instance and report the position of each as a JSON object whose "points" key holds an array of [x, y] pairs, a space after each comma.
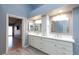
{"points": [[23, 29]]}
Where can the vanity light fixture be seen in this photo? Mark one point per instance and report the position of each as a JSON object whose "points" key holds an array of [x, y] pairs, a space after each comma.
{"points": [[31, 23], [36, 17], [61, 17], [38, 21], [60, 11]]}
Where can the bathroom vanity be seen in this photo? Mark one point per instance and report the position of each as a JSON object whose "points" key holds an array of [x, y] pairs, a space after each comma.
{"points": [[52, 45], [52, 34]]}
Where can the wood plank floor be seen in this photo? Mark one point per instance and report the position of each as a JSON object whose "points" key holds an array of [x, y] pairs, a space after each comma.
{"points": [[14, 43], [16, 48], [25, 51]]}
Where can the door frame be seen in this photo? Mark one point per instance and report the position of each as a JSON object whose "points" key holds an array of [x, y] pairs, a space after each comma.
{"points": [[23, 29]]}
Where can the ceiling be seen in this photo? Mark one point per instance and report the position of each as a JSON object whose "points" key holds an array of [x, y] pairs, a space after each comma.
{"points": [[63, 9], [34, 6]]}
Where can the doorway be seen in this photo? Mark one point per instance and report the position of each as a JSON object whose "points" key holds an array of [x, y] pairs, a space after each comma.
{"points": [[15, 31]]}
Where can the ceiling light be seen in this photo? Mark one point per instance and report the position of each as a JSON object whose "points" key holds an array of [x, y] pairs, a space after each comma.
{"points": [[62, 17], [38, 21], [36, 17], [60, 11]]}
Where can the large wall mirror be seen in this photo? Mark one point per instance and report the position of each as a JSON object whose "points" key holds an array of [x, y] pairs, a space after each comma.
{"points": [[38, 25], [31, 26], [61, 23], [35, 25]]}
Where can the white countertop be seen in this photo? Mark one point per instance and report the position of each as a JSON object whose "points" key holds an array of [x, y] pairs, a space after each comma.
{"points": [[63, 37]]}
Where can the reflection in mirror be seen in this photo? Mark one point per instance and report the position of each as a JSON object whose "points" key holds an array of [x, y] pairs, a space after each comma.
{"points": [[31, 26], [35, 25], [38, 24], [60, 23]]}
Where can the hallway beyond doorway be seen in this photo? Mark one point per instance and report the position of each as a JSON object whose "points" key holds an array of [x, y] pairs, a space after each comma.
{"points": [[14, 33], [14, 43]]}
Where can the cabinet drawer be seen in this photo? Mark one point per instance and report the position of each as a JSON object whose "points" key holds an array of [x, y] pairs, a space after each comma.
{"points": [[56, 48], [58, 42]]}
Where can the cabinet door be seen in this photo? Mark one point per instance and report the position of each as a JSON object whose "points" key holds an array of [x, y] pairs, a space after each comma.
{"points": [[30, 39], [35, 41], [48, 46], [57, 47]]}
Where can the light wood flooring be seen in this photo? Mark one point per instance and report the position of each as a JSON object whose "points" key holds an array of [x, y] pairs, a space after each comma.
{"points": [[16, 48], [14, 43], [25, 51]]}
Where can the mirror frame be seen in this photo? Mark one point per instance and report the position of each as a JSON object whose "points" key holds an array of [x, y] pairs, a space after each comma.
{"points": [[70, 20]]}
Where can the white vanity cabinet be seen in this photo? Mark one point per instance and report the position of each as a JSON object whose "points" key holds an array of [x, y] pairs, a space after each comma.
{"points": [[51, 46], [35, 41], [57, 47]]}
